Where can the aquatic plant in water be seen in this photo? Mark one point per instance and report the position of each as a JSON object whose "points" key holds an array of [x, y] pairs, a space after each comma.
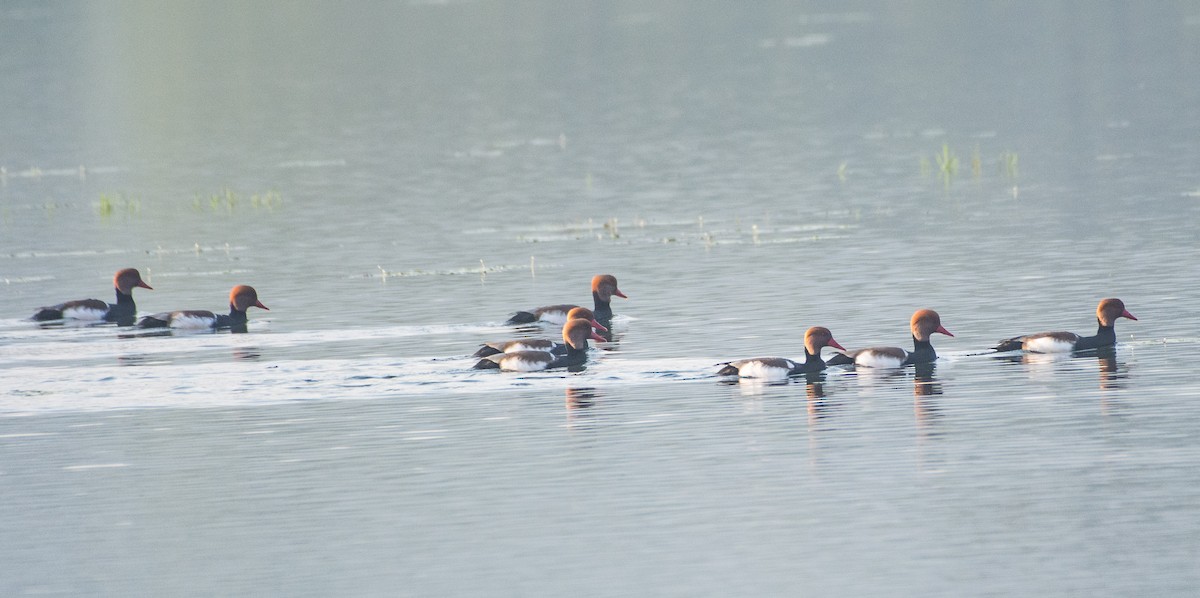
{"points": [[110, 204]]}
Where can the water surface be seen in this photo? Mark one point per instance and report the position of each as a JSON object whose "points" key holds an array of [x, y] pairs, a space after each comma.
{"points": [[395, 179]]}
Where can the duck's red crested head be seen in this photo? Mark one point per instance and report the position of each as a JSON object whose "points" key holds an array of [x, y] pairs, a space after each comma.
{"points": [[243, 297], [583, 313], [128, 279], [605, 285], [819, 337], [925, 322], [1110, 309], [577, 332]]}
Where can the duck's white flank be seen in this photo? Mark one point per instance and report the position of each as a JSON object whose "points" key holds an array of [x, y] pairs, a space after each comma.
{"points": [[1048, 344], [877, 359], [760, 370], [517, 363], [191, 322], [83, 313], [554, 317]]}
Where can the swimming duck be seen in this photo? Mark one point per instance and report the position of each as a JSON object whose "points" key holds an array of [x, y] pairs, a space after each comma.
{"points": [[923, 324], [604, 288], [539, 344], [241, 298], [779, 368], [1107, 313], [575, 334], [122, 312]]}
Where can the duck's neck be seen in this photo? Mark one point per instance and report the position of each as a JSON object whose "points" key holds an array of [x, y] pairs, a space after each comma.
{"points": [[1106, 336], [574, 356], [236, 320], [123, 309], [812, 362], [922, 352], [602, 309], [235, 316]]}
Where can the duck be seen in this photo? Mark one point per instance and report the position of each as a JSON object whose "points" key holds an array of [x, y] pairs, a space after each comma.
{"points": [[539, 344], [604, 288], [575, 334], [241, 298], [779, 368], [924, 323], [1107, 313], [123, 312]]}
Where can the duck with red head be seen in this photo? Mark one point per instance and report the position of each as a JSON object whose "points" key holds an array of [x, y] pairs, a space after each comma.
{"points": [[779, 368], [1107, 313], [241, 298], [539, 344], [575, 334], [123, 312], [604, 288], [923, 324]]}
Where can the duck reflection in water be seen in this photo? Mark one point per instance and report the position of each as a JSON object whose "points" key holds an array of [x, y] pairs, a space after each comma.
{"points": [[817, 406], [814, 384], [134, 359], [247, 353], [148, 332], [581, 398], [1112, 373], [752, 385], [610, 340], [611, 337], [579, 402], [925, 386]]}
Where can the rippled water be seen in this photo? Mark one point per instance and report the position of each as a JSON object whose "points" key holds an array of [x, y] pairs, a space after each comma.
{"points": [[396, 179]]}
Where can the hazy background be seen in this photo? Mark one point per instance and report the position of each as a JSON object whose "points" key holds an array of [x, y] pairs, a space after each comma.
{"points": [[395, 178]]}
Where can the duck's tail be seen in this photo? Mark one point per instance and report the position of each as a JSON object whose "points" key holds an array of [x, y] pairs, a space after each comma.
{"points": [[486, 350], [522, 317], [1012, 344], [728, 370], [840, 359], [45, 314], [486, 364], [155, 321]]}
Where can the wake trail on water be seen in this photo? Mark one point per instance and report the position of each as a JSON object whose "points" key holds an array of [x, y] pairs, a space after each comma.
{"points": [[101, 368], [33, 388]]}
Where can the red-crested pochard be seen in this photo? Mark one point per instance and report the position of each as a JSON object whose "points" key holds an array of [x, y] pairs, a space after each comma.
{"points": [[604, 288], [575, 334], [122, 312], [241, 298], [924, 323], [1107, 313], [539, 344], [779, 368]]}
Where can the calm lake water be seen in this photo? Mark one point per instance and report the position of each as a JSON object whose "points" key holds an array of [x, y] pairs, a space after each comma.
{"points": [[396, 178]]}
